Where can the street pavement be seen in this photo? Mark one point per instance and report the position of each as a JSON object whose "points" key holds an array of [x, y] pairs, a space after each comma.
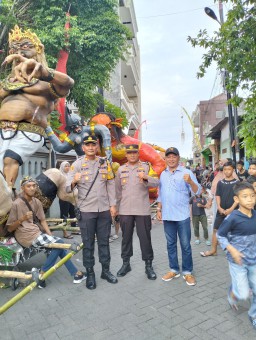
{"points": [[135, 307]]}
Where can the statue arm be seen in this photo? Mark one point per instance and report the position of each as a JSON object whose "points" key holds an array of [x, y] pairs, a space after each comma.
{"points": [[106, 138], [60, 84], [66, 146], [65, 196], [27, 69]]}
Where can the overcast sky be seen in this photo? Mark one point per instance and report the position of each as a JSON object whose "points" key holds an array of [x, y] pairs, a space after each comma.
{"points": [[169, 65]]}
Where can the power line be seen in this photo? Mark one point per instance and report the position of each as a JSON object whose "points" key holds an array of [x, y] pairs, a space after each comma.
{"points": [[174, 13]]}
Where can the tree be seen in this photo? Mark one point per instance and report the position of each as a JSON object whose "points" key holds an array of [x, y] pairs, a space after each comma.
{"points": [[233, 48], [96, 41]]}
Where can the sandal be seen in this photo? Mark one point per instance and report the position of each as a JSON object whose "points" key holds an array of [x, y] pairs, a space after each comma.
{"points": [[68, 237], [207, 253]]}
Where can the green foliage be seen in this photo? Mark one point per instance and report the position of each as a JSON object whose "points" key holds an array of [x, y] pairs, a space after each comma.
{"points": [[55, 121], [96, 41], [233, 48], [247, 131], [117, 112]]}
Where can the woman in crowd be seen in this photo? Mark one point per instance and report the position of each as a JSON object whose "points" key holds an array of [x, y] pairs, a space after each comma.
{"points": [[66, 208]]}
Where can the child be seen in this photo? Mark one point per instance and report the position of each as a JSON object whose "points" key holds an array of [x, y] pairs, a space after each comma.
{"points": [[252, 169], [252, 181], [198, 203], [237, 235], [225, 203], [241, 172]]}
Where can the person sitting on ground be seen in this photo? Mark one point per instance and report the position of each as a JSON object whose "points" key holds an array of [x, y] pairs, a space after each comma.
{"points": [[225, 203], [198, 204], [241, 172], [237, 236], [27, 220]]}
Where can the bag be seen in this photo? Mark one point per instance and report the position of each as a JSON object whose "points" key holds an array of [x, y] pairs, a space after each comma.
{"points": [[78, 213], [35, 218]]}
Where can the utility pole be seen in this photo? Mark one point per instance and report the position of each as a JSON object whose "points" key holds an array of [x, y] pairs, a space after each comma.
{"points": [[221, 12], [232, 127]]}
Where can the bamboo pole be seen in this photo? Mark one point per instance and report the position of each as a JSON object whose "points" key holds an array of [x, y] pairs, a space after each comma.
{"points": [[61, 220], [63, 227], [61, 246], [30, 287], [15, 275]]}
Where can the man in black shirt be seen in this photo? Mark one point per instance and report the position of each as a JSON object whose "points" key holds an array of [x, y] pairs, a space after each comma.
{"points": [[241, 172], [225, 203]]}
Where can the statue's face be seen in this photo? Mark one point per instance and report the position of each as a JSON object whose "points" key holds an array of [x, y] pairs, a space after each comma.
{"points": [[23, 47], [77, 129]]}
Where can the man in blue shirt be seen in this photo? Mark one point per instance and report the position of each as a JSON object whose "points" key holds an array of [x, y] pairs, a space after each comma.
{"points": [[176, 185]]}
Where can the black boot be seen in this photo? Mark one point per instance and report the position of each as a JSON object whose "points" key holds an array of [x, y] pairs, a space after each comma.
{"points": [[149, 270], [107, 275], [126, 268], [90, 280]]}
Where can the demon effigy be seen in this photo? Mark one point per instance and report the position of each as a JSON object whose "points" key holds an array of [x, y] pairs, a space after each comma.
{"points": [[27, 96], [119, 140], [77, 132]]}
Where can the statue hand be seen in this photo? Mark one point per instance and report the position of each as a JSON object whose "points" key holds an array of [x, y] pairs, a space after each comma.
{"points": [[10, 58], [28, 69]]}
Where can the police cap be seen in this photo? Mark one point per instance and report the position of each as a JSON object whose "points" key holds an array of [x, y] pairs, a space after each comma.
{"points": [[132, 148], [90, 139]]}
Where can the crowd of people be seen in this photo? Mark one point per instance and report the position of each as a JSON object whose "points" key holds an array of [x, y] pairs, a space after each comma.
{"points": [[183, 194]]}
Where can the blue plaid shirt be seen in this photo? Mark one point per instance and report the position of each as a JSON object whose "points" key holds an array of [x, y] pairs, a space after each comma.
{"points": [[174, 194]]}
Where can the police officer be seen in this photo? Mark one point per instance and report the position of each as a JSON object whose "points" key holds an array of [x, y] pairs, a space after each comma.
{"points": [[132, 182], [96, 209]]}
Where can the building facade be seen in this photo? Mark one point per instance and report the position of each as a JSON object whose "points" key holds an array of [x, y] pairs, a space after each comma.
{"points": [[125, 83], [207, 115]]}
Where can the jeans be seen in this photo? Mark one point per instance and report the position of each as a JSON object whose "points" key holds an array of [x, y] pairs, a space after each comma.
{"points": [[52, 258], [243, 279], [181, 228]]}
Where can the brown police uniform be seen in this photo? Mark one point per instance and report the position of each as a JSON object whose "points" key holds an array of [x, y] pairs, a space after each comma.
{"points": [[134, 207], [96, 218]]}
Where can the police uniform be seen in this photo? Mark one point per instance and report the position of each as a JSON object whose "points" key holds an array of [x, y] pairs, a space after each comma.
{"points": [[95, 208], [134, 208]]}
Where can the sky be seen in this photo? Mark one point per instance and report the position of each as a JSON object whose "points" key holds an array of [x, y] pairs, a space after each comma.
{"points": [[168, 68]]}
